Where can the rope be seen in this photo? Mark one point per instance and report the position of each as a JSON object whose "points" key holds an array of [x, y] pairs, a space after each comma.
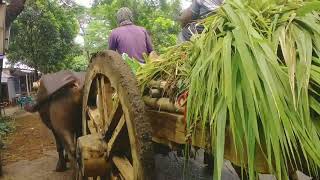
{"points": [[182, 101]]}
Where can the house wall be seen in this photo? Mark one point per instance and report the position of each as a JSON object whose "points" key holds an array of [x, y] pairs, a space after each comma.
{"points": [[11, 89], [4, 92], [17, 85]]}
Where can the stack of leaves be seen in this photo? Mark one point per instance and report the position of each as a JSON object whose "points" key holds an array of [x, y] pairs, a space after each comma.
{"points": [[132, 63], [172, 66], [255, 70]]}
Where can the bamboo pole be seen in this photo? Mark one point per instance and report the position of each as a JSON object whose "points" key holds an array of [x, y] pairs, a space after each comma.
{"points": [[155, 93], [157, 84], [163, 104]]}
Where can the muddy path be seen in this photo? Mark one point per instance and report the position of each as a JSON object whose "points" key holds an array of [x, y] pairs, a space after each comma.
{"points": [[30, 151]]}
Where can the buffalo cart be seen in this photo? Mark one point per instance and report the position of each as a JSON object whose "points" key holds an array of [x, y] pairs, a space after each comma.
{"points": [[119, 126]]}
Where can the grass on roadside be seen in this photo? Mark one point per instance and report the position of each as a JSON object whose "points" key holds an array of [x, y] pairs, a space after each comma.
{"points": [[7, 125]]}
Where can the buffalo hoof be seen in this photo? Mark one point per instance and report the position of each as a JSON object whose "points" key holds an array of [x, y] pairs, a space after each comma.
{"points": [[61, 166]]}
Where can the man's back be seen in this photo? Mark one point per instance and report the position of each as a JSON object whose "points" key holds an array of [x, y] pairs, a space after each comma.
{"points": [[131, 39]]}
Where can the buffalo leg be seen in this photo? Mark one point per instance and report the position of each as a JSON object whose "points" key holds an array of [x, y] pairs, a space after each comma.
{"points": [[61, 164], [71, 150], [69, 144]]}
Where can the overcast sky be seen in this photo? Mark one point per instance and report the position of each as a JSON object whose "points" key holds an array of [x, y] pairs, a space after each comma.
{"points": [[87, 3]]}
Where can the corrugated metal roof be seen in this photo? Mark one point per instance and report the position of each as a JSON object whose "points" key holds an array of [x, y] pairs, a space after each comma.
{"points": [[18, 65], [5, 77]]}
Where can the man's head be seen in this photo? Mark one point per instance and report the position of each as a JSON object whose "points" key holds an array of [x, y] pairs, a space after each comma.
{"points": [[124, 14]]}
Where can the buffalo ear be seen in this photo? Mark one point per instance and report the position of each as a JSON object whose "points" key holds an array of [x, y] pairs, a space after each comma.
{"points": [[76, 85]]}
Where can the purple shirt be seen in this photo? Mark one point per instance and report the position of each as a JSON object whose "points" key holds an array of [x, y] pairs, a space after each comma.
{"points": [[131, 39]]}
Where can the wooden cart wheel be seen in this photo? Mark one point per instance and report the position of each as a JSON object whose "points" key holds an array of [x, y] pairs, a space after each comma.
{"points": [[113, 108]]}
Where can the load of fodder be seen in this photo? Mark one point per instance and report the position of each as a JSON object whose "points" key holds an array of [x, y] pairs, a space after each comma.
{"points": [[256, 70]]}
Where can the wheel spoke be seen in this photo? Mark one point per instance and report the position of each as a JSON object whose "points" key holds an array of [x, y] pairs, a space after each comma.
{"points": [[94, 116], [103, 97], [92, 127], [115, 134], [124, 166], [116, 176], [79, 175], [115, 116], [114, 110], [100, 99], [106, 94]]}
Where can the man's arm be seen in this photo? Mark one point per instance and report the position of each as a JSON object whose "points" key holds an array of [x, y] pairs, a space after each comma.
{"points": [[113, 44]]}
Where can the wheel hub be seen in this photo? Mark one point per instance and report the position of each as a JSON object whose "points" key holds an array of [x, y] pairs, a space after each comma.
{"points": [[92, 155]]}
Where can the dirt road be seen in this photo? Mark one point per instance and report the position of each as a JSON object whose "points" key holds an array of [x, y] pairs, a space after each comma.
{"points": [[30, 152]]}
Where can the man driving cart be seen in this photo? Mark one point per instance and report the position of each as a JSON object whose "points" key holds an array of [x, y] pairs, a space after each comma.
{"points": [[190, 17]]}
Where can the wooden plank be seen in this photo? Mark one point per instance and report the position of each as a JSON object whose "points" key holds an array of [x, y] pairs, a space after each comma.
{"points": [[2, 27], [168, 126], [171, 126], [124, 166], [172, 121]]}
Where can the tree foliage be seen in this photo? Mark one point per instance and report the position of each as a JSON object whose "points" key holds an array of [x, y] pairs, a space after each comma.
{"points": [[157, 16], [43, 36]]}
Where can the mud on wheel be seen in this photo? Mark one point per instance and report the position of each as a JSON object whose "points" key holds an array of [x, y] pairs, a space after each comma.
{"points": [[116, 135]]}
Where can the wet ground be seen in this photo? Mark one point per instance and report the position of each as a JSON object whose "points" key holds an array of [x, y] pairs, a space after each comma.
{"points": [[30, 155]]}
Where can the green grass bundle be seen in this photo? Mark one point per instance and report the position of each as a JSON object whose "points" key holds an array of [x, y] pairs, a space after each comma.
{"points": [[132, 63], [256, 70]]}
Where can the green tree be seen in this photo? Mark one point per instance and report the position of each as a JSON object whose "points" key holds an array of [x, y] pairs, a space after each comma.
{"points": [[96, 35], [43, 36], [157, 16], [77, 63]]}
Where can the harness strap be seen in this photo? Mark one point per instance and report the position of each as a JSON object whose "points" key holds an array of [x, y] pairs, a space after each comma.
{"points": [[182, 101]]}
